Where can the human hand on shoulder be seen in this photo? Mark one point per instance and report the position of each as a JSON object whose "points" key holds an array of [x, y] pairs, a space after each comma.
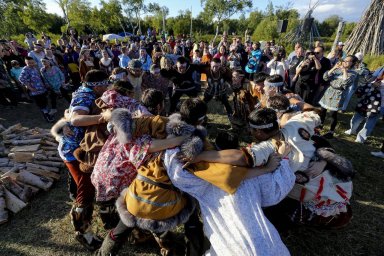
{"points": [[273, 162]]}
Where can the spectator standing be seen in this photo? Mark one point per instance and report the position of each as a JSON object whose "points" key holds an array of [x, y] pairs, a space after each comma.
{"points": [[341, 76], [37, 54], [31, 78]]}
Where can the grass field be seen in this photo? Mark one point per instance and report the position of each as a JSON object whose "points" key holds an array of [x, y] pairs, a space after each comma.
{"points": [[43, 228]]}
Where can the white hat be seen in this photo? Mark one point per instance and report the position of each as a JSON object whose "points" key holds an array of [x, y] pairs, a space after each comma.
{"points": [[359, 56], [340, 43]]}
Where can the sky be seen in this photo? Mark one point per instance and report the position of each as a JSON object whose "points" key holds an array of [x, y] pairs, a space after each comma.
{"points": [[349, 10]]}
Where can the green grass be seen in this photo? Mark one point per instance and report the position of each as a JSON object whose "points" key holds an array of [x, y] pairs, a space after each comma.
{"points": [[43, 228], [374, 62]]}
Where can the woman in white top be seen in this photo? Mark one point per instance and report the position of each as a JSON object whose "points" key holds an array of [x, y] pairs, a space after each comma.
{"points": [[277, 65]]}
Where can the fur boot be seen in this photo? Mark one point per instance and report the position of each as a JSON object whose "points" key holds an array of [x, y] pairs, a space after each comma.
{"points": [[339, 166], [109, 247]]}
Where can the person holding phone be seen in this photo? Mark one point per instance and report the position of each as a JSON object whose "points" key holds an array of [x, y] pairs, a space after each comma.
{"points": [[340, 77]]}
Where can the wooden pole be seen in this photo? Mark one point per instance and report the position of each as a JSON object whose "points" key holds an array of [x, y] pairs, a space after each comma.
{"points": [[190, 33], [339, 31]]}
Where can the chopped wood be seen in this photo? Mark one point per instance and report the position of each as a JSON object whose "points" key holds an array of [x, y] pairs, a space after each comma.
{"points": [[43, 167], [33, 188], [26, 148], [51, 153], [21, 156], [23, 142], [49, 143], [44, 173], [34, 180], [10, 136], [11, 129], [29, 162], [46, 158], [49, 148], [3, 205], [14, 204], [24, 193], [50, 163]]}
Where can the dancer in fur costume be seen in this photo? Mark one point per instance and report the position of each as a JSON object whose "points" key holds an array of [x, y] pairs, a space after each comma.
{"points": [[321, 195], [79, 118], [151, 202], [234, 222], [116, 163]]}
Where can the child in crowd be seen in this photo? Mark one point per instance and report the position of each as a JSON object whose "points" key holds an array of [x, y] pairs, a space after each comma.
{"points": [[54, 78], [15, 75], [31, 79]]}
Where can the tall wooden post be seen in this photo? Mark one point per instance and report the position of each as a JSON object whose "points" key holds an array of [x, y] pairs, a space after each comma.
{"points": [[340, 29]]}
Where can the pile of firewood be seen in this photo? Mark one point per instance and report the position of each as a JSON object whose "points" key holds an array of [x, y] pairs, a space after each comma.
{"points": [[29, 162]]}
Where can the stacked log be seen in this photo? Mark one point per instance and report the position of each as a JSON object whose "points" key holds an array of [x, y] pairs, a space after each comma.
{"points": [[29, 163]]}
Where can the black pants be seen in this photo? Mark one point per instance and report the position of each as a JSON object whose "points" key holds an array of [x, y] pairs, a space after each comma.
{"points": [[223, 98], [197, 243], [66, 94], [41, 101], [53, 98], [323, 114], [7, 97], [305, 91], [176, 95]]}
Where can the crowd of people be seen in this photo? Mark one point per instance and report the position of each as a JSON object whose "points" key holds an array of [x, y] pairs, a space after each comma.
{"points": [[134, 146]]}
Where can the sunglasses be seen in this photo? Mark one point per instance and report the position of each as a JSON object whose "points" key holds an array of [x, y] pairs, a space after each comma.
{"points": [[317, 52]]}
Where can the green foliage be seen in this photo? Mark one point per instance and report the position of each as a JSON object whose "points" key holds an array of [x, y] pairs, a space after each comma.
{"points": [[181, 23], [266, 28], [347, 31], [220, 10], [328, 26], [159, 12], [374, 62], [79, 14], [255, 17]]}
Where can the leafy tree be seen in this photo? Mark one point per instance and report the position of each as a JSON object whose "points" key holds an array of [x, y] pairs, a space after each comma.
{"points": [[34, 15], [134, 9], [11, 23], [220, 10], [255, 17], [182, 23], [107, 19], [267, 28], [76, 13], [329, 25], [159, 17]]}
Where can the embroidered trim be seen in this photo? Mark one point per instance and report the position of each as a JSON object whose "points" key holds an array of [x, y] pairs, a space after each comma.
{"points": [[277, 84], [263, 126], [93, 84], [170, 203]]}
